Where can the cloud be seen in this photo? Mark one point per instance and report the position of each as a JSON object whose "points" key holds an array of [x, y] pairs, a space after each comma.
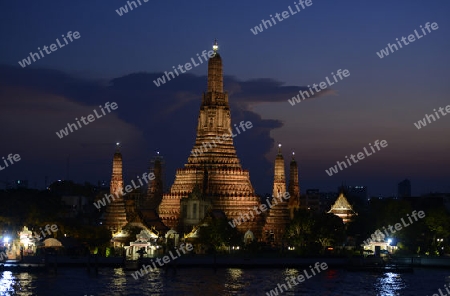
{"points": [[36, 103]]}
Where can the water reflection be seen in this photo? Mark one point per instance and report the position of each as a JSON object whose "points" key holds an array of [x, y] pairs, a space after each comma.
{"points": [[389, 284], [16, 284], [7, 282], [234, 280], [230, 281]]}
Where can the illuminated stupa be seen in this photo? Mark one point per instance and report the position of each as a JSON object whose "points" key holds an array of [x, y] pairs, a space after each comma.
{"points": [[294, 188], [115, 215], [278, 216], [213, 163]]}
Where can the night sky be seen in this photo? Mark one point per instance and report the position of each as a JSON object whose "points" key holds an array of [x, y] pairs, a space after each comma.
{"points": [[117, 58]]}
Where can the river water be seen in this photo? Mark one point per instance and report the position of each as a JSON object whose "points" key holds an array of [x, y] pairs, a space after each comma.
{"points": [[229, 281]]}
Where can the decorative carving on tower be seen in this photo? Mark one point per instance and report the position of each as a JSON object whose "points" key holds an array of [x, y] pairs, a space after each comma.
{"points": [[278, 216], [115, 215], [217, 168], [294, 188]]}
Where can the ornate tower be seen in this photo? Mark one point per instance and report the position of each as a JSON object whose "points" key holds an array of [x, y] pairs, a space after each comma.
{"points": [[279, 180], [115, 214], [278, 217], [155, 187], [213, 163], [294, 188]]}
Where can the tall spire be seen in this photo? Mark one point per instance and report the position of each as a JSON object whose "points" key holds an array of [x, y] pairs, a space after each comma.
{"points": [[278, 216], [215, 71], [115, 215], [294, 188], [279, 180]]}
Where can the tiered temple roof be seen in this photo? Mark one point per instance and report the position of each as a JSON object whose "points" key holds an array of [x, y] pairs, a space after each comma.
{"points": [[213, 163]]}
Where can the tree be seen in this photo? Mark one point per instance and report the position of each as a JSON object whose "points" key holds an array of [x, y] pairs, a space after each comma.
{"points": [[218, 233], [329, 229]]}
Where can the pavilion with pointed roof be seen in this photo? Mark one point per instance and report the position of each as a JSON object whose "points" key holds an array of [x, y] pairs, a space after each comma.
{"points": [[342, 209]]}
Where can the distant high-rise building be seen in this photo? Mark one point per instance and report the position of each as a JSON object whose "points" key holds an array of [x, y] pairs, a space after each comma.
{"points": [[404, 188], [21, 184], [310, 200], [326, 200], [356, 195]]}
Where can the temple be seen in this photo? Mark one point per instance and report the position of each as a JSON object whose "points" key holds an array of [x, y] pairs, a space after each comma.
{"points": [[215, 169], [211, 183]]}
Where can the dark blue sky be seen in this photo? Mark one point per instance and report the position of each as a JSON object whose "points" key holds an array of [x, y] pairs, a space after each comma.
{"points": [[381, 99]]}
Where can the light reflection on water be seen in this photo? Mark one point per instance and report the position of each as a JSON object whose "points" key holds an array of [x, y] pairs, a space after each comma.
{"points": [[231, 281], [390, 284]]}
